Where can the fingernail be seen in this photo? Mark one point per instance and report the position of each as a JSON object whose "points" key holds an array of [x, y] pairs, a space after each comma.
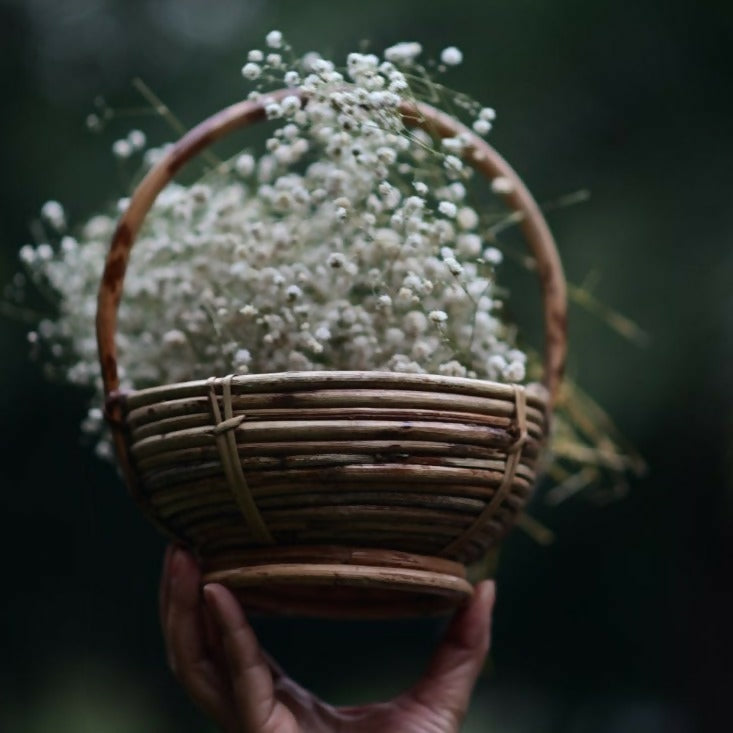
{"points": [[210, 600], [486, 591], [176, 560]]}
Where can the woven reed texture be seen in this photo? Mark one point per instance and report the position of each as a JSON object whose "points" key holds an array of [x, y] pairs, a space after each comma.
{"points": [[378, 485], [376, 471]]}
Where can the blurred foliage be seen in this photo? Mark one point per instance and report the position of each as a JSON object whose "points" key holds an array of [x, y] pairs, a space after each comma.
{"points": [[623, 623]]}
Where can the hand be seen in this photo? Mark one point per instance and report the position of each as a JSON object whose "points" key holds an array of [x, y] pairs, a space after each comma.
{"points": [[214, 654]]}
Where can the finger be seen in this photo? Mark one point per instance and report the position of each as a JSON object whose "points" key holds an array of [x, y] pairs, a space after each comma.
{"points": [[164, 589], [252, 682], [188, 656], [446, 687]]}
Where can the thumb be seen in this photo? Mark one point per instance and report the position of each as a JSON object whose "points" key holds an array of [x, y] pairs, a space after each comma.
{"points": [[251, 678], [446, 687]]}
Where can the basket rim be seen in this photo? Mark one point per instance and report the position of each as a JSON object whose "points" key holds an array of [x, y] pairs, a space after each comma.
{"points": [[537, 394]]}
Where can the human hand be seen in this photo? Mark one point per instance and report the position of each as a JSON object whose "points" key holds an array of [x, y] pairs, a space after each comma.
{"points": [[214, 654]]}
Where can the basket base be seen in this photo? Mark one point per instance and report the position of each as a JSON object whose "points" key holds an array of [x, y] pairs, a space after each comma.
{"points": [[338, 582]]}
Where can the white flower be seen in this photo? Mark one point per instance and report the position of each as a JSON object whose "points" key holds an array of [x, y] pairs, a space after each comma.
{"points": [[467, 218], [488, 114], [174, 337], [245, 165], [137, 139], [290, 105], [44, 252], [501, 184], [53, 213], [468, 244], [403, 53], [274, 39], [336, 260], [323, 333], [493, 256], [514, 371], [242, 356], [482, 127], [448, 208], [251, 70], [93, 122], [27, 254], [451, 56], [452, 163], [452, 368], [438, 316], [454, 266], [122, 149], [273, 110], [256, 56]]}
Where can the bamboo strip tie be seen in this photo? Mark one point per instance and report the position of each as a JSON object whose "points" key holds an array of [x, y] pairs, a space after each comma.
{"points": [[227, 445], [515, 454]]}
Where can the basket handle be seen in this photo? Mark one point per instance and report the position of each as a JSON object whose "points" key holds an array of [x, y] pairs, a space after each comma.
{"points": [[478, 153]]}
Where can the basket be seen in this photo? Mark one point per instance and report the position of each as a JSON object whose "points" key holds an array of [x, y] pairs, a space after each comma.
{"points": [[341, 494]]}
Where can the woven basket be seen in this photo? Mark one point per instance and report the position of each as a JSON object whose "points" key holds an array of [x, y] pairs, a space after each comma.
{"points": [[334, 493]]}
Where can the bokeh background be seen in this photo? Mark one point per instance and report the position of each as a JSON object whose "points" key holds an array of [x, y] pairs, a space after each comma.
{"points": [[624, 623]]}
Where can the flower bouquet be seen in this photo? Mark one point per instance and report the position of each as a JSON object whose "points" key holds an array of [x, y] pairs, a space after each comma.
{"points": [[305, 369]]}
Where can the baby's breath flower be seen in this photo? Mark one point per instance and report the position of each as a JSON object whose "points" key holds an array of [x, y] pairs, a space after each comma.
{"points": [[403, 53], [251, 70], [481, 126], [53, 213], [274, 39], [500, 184], [452, 368], [122, 149], [453, 163], [514, 371], [273, 110], [94, 122], [242, 356], [454, 266], [174, 337], [451, 56], [245, 165], [44, 252], [290, 105], [137, 139], [438, 316], [493, 256], [448, 208], [469, 244]]}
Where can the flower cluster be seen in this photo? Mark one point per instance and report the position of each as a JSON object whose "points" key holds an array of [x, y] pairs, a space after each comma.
{"points": [[348, 243]]}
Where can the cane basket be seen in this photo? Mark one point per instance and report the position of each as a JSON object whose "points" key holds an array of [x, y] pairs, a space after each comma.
{"points": [[342, 494]]}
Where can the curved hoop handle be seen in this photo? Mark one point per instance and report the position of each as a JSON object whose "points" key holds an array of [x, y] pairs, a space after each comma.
{"points": [[478, 153]]}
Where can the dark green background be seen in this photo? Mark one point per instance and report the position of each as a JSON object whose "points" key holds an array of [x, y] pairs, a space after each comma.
{"points": [[624, 624]]}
